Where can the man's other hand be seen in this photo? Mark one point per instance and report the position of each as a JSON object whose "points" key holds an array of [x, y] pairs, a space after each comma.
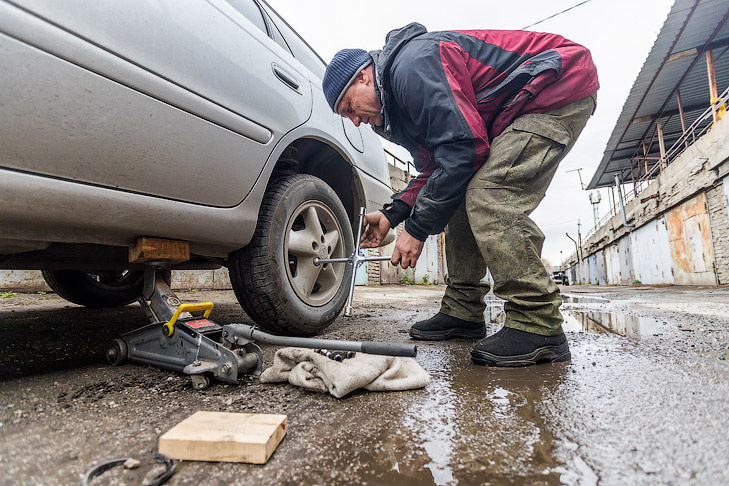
{"points": [[407, 250], [374, 229]]}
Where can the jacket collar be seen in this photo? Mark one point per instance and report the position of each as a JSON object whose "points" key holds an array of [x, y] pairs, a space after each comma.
{"points": [[383, 59]]}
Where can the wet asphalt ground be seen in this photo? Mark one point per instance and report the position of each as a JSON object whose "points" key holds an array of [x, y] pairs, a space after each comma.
{"points": [[645, 399]]}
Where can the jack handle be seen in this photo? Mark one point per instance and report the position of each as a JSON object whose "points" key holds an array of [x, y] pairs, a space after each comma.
{"points": [[234, 332], [169, 328]]}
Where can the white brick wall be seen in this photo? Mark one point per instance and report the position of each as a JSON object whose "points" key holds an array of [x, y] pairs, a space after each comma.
{"points": [[719, 217], [32, 280]]}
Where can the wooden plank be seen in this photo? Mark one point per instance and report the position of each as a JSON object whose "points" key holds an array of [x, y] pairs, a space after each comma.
{"points": [[226, 437], [680, 114], [661, 144], [148, 248], [713, 91]]}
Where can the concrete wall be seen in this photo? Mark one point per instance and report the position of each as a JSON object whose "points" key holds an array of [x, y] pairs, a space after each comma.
{"points": [[23, 281], [679, 224]]}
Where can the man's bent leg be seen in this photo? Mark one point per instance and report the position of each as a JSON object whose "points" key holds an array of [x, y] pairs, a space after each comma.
{"points": [[499, 200], [465, 289], [512, 246], [462, 310]]}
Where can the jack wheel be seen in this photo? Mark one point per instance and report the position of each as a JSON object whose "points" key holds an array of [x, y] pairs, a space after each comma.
{"points": [[200, 382], [117, 353]]}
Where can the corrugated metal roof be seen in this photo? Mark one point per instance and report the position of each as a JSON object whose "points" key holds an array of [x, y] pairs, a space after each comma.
{"points": [[691, 24]]}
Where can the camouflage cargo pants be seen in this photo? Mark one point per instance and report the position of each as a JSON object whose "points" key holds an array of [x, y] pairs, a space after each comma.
{"points": [[492, 228]]}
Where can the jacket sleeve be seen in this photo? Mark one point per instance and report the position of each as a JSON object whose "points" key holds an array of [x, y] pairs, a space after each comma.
{"points": [[431, 85], [403, 201]]}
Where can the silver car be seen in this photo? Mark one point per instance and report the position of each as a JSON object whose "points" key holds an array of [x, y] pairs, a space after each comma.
{"points": [[197, 120]]}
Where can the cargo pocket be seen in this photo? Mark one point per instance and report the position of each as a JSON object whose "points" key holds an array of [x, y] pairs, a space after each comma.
{"points": [[546, 144], [506, 150]]}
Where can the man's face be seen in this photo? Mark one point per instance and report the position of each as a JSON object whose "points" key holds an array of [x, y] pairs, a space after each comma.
{"points": [[360, 103]]}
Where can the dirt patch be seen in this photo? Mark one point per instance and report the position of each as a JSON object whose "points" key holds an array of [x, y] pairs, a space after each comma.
{"points": [[616, 414]]}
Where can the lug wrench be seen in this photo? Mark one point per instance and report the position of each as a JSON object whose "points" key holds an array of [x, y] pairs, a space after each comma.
{"points": [[356, 259]]}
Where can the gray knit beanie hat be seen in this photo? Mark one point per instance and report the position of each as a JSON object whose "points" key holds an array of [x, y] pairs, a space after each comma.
{"points": [[341, 72]]}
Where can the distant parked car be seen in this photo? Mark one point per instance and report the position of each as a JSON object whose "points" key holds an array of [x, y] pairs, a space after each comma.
{"points": [[201, 121], [560, 278]]}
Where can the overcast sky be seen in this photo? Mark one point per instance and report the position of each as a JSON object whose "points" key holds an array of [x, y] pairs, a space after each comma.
{"points": [[619, 33]]}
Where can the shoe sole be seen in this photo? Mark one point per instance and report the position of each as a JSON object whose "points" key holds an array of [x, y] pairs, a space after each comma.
{"points": [[447, 334], [547, 354]]}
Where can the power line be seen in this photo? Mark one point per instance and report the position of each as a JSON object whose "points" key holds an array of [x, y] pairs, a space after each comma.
{"points": [[558, 13]]}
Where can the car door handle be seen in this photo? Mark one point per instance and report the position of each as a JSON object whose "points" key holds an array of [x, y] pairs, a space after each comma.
{"points": [[285, 77]]}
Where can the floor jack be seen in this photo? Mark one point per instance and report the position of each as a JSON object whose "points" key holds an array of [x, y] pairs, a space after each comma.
{"points": [[197, 346]]}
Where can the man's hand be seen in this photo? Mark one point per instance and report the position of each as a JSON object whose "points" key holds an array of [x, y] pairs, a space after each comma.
{"points": [[375, 227], [407, 250]]}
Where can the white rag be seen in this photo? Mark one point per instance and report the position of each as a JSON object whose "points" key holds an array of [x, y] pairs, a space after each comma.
{"points": [[313, 371]]}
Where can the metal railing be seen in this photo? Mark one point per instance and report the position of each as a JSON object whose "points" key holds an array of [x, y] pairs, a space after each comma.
{"points": [[696, 130], [408, 165]]}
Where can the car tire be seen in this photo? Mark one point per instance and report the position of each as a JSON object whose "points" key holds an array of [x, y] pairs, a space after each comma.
{"points": [[96, 290], [274, 277]]}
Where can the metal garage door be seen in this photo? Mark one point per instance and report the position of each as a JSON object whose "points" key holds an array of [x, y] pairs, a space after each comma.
{"points": [[690, 240]]}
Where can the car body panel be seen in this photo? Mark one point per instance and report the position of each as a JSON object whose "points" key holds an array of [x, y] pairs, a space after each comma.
{"points": [[106, 108], [85, 213], [98, 148]]}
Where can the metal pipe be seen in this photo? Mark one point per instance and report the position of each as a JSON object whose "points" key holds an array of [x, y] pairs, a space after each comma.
{"points": [[355, 260], [355, 264], [579, 260], [317, 261], [577, 249], [622, 205], [233, 331]]}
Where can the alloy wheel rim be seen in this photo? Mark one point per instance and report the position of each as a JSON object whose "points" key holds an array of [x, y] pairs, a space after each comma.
{"points": [[312, 232]]}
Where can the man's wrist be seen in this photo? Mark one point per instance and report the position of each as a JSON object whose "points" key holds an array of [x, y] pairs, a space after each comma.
{"points": [[414, 231], [396, 212]]}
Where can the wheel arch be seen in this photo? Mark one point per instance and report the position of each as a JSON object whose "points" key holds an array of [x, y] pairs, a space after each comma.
{"points": [[318, 157]]}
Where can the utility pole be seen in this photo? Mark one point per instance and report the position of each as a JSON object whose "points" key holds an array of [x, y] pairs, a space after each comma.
{"points": [[595, 199], [579, 236], [579, 260], [579, 174]]}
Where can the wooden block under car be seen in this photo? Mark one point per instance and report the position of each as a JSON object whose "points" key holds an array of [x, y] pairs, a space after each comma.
{"points": [[223, 436], [148, 248]]}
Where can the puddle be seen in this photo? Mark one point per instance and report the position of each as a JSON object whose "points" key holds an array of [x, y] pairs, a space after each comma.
{"points": [[589, 321], [473, 426], [612, 322], [581, 299]]}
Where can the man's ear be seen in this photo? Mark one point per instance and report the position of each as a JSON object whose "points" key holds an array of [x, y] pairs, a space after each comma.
{"points": [[364, 76]]}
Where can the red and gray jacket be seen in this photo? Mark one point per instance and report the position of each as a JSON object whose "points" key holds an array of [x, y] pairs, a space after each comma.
{"points": [[446, 95]]}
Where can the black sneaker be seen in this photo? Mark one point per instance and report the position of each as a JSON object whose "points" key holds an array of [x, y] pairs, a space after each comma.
{"points": [[512, 347], [441, 327]]}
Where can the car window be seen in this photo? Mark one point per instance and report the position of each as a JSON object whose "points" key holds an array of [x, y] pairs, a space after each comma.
{"points": [[250, 10], [298, 47], [276, 34]]}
